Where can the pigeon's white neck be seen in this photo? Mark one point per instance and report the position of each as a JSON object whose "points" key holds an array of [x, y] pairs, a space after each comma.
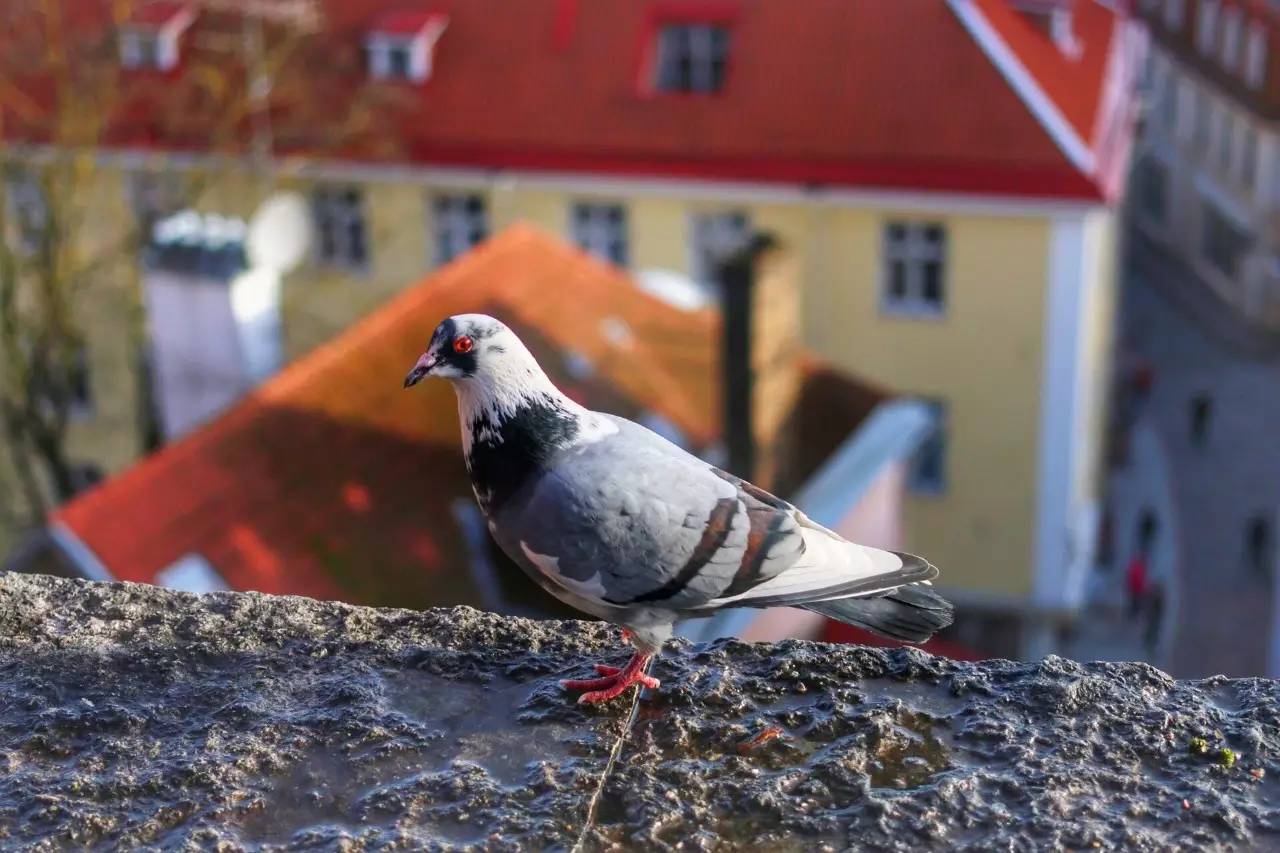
{"points": [[501, 389]]}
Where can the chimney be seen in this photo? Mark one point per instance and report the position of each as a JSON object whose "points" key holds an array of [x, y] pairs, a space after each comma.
{"points": [[760, 355]]}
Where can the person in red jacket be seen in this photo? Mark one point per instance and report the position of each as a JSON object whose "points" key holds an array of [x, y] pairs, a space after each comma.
{"points": [[1136, 582]]}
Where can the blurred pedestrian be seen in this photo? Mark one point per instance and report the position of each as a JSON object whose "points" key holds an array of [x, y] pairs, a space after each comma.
{"points": [[1154, 616], [1135, 582]]}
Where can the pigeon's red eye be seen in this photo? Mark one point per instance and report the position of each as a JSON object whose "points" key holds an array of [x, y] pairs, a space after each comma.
{"points": [[463, 344]]}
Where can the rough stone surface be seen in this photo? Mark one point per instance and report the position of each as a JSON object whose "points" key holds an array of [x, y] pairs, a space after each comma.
{"points": [[133, 717]]}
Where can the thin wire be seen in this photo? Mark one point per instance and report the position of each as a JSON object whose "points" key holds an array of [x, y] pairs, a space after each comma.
{"points": [[613, 760]]}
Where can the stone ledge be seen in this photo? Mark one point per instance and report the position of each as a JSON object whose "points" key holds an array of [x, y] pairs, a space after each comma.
{"points": [[132, 716]]}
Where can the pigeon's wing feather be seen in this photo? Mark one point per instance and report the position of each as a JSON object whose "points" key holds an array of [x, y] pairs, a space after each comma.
{"points": [[633, 521], [625, 523]]}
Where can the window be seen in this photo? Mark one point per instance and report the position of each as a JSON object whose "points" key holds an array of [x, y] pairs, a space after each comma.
{"points": [[1231, 25], [342, 238], [140, 49], [1201, 416], [1226, 142], [691, 58], [392, 58], [1255, 60], [1224, 243], [1203, 117], [1249, 157], [1258, 548], [915, 268], [928, 467], [28, 212], [1169, 100], [153, 196], [401, 44], [1175, 13], [601, 229], [714, 237], [80, 392], [461, 222], [1151, 179], [1207, 26]]}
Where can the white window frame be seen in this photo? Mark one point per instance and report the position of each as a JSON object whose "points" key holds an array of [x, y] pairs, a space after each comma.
{"points": [[419, 50], [1226, 140], [335, 204], [1202, 123], [1255, 62], [598, 231], [1207, 27], [1249, 157], [937, 442], [703, 54], [715, 234], [1207, 208], [164, 42], [28, 211], [1152, 166], [914, 251], [1232, 27], [1169, 101], [460, 221]]}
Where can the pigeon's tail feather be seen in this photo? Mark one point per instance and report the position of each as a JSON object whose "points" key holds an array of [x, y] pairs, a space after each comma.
{"points": [[910, 613], [831, 567]]}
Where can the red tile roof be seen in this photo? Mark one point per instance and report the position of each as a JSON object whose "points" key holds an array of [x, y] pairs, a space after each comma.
{"points": [[329, 480], [403, 22], [829, 92], [156, 14]]}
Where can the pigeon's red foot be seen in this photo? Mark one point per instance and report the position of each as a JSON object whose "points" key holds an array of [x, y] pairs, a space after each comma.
{"points": [[613, 681]]}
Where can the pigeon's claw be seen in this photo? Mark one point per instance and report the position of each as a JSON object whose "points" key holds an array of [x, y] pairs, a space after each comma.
{"points": [[613, 681]]}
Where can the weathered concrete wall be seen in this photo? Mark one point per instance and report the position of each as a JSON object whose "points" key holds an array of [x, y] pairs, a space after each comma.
{"points": [[137, 717]]}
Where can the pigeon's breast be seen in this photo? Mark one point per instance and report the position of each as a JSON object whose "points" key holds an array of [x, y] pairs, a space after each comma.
{"points": [[507, 453]]}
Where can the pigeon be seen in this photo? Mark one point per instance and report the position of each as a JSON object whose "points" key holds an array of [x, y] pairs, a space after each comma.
{"points": [[621, 524]]}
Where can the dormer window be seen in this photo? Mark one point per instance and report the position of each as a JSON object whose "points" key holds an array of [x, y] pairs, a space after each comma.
{"points": [[1053, 18], [152, 38], [691, 58], [401, 45]]}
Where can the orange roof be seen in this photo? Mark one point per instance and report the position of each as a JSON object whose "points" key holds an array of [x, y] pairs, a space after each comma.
{"points": [[329, 480]]}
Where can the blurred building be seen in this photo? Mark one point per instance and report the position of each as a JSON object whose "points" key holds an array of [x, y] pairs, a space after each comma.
{"points": [[1195, 483], [330, 480], [1207, 172], [944, 172]]}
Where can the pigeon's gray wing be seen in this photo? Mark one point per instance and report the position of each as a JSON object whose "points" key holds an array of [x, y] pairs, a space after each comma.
{"points": [[632, 521]]}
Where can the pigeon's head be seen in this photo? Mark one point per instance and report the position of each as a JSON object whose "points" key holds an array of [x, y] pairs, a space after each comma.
{"points": [[468, 346]]}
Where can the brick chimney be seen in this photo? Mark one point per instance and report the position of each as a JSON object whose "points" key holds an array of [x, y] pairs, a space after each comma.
{"points": [[760, 355]]}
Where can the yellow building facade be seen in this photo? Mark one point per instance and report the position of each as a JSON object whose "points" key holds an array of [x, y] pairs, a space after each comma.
{"points": [[1016, 354]]}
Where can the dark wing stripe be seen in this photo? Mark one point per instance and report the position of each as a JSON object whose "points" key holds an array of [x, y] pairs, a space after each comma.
{"points": [[913, 571], [719, 525], [766, 531]]}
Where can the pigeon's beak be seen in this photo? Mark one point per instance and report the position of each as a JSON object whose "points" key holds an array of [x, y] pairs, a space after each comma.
{"points": [[421, 369]]}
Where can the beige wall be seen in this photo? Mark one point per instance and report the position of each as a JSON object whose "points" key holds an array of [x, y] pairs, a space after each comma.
{"points": [[983, 358]]}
